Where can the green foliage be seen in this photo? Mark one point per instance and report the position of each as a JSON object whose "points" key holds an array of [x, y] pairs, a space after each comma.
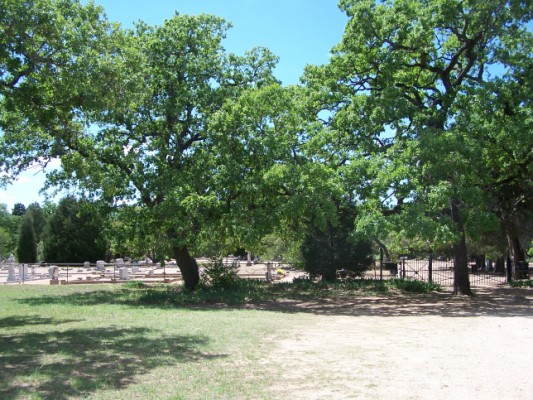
{"points": [[74, 233], [424, 132], [246, 291], [521, 283], [19, 209], [179, 129], [135, 285], [328, 249], [276, 247], [130, 234], [220, 275], [9, 228], [413, 286], [5, 240], [39, 216], [27, 246]]}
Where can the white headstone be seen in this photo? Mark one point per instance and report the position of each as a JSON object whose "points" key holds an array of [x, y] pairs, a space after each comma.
{"points": [[53, 271], [11, 273], [100, 265], [87, 265], [123, 274]]}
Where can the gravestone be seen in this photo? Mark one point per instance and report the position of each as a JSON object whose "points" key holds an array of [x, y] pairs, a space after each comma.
{"points": [[87, 265], [135, 266], [11, 269], [100, 265], [123, 274], [11, 273], [53, 272]]}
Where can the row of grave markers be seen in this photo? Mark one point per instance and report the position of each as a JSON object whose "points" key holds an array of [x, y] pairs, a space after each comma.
{"points": [[27, 272]]}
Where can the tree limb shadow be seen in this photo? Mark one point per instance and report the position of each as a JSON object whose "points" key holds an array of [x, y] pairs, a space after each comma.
{"points": [[77, 362], [23, 320], [493, 302]]}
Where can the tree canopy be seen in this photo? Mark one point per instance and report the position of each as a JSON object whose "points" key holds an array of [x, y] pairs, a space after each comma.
{"points": [[74, 233], [137, 116], [421, 121], [401, 94]]}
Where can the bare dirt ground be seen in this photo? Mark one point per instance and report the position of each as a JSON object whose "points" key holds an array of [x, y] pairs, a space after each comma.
{"points": [[409, 347]]}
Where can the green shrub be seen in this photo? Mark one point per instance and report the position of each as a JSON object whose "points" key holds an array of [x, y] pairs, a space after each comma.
{"points": [[216, 274], [135, 285], [522, 283], [413, 286]]}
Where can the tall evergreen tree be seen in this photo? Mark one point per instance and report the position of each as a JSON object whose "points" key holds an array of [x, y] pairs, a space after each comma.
{"points": [[39, 219], [9, 228], [74, 233], [27, 246], [326, 249]]}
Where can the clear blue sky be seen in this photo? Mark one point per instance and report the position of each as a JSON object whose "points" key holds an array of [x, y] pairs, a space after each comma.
{"points": [[299, 32]]}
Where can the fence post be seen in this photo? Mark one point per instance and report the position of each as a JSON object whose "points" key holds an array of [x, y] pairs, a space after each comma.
{"points": [[430, 268], [381, 264]]}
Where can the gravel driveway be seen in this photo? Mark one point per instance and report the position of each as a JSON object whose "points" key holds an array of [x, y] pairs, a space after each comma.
{"points": [[409, 347]]}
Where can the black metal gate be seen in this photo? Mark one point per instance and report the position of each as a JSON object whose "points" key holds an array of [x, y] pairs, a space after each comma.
{"points": [[440, 271]]}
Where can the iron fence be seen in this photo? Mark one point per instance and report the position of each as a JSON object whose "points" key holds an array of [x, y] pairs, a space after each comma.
{"points": [[441, 272]]}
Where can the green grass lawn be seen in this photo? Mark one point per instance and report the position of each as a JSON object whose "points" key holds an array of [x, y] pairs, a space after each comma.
{"points": [[159, 342], [100, 342]]}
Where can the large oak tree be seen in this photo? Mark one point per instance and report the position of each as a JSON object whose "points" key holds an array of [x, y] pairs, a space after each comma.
{"points": [[394, 100], [137, 117]]}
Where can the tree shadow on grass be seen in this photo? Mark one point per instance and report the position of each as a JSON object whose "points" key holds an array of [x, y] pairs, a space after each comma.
{"points": [[77, 362], [500, 302], [89, 298], [18, 321], [493, 302]]}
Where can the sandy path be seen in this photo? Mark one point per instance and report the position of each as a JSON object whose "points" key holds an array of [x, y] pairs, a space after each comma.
{"points": [[410, 348]]}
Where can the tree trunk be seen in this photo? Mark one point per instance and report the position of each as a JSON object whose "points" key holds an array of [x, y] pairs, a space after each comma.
{"points": [[460, 256], [516, 251], [480, 262], [518, 254], [329, 274], [499, 265], [187, 265]]}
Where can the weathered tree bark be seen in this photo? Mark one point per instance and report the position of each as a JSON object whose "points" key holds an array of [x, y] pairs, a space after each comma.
{"points": [[518, 254], [517, 220], [460, 256], [187, 265]]}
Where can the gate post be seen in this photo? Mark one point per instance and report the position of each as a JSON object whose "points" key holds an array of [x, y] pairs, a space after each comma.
{"points": [[402, 272], [430, 268], [381, 264]]}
